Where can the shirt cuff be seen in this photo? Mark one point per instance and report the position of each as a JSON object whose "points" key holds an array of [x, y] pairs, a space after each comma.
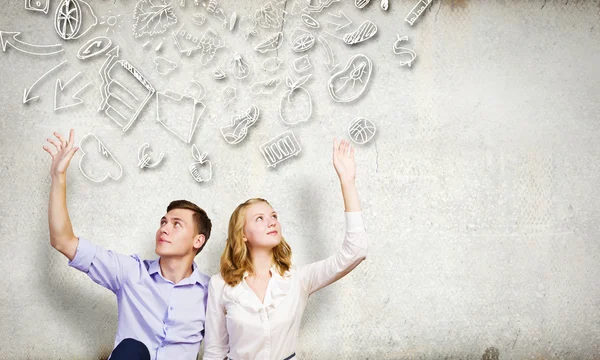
{"points": [[86, 251], [354, 221]]}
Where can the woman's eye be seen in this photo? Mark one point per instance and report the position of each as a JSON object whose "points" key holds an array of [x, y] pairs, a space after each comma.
{"points": [[177, 223], [275, 216], [259, 218]]}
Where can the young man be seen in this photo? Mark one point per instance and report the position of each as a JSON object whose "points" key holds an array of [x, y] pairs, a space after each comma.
{"points": [[161, 302]]}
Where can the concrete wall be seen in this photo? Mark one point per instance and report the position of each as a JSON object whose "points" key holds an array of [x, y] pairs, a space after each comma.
{"points": [[479, 191]]}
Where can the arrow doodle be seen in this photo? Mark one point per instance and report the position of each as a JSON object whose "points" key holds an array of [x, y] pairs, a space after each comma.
{"points": [[26, 97], [60, 87], [10, 38], [343, 23]]}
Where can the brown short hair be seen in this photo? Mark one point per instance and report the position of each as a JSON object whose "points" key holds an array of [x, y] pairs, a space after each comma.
{"points": [[202, 221]]}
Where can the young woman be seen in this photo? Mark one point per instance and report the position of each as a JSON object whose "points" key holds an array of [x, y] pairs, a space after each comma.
{"points": [[255, 304]]}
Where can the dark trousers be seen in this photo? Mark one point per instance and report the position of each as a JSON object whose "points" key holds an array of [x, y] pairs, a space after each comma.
{"points": [[130, 349]]}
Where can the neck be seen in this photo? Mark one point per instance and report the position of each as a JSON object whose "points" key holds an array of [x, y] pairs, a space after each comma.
{"points": [[262, 260], [175, 269]]}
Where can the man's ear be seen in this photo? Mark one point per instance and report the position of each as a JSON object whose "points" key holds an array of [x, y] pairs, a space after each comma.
{"points": [[199, 240]]}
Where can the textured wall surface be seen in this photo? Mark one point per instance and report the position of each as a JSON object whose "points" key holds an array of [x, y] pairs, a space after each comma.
{"points": [[479, 191]]}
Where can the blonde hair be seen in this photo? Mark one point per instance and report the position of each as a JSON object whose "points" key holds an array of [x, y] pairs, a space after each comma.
{"points": [[236, 257]]}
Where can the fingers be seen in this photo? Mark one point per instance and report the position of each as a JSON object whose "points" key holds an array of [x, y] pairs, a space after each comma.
{"points": [[56, 144], [71, 139], [345, 147], [61, 138], [49, 150], [70, 154]]}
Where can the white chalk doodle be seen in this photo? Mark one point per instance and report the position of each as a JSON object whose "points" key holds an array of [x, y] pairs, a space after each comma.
{"points": [[301, 40], [398, 50], [361, 3], [158, 47], [201, 90], [232, 21], [93, 47], [361, 130], [9, 38], [268, 16], [265, 87], [164, 66], [198, 19], [237, 129], [211, 7], [271, 43], [344, 20], [358, 69], [59, 88], [220, 14], [111, 22], [179, 113], [153, 17], [329, 57], [302, 64], [144, 159], [201, 170], [124, 90], [37, 5], [27, 91], [248, 25], [228, 95], [207, 44], [92, 147], [181, 3], [296, 8], [271, 64], [280, 148], [416, 11], [318, 8], [364, 32], [239, 67], [309, 21], [70, 16], [385, 4], [292, 105], [218, 74]]}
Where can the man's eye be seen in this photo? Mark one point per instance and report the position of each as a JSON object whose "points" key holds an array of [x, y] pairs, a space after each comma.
{"points": [[177, 223], [275, 216]]}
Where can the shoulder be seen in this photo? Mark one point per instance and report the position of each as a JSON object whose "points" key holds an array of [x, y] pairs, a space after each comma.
{"points": [[217, 281]]}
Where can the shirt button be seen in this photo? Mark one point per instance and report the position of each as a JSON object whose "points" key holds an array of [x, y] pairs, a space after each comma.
{"points": [[166, 328], [171, 308]]}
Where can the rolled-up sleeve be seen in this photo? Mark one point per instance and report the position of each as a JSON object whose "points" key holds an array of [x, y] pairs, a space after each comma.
{"points": [[354, 249], [104, 267]]}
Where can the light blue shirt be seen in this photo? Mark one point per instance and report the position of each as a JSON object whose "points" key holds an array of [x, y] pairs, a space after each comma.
{"points": [[168, 318]]}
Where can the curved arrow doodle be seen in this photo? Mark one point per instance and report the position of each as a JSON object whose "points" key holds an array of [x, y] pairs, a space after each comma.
{"points": [[10, 38], [26, 97]]}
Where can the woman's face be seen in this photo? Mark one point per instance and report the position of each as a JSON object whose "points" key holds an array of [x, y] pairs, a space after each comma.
{"points": [[262, 228]]}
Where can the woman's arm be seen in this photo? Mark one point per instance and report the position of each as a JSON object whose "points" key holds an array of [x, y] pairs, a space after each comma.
{"points": [[317, 275]]}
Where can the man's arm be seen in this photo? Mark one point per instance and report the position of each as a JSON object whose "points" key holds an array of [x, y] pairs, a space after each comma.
{"points": [[62, 237]]}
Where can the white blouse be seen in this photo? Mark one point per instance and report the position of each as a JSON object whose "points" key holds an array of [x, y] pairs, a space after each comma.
{"points": [[238, 326]]}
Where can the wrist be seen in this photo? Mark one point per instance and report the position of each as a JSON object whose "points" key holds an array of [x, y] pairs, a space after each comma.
{"points": [[59, 179], [348, 182]]}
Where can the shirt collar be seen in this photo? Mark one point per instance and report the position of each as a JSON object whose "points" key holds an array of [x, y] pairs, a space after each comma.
{"points": [[274, 272], [196, 276]]}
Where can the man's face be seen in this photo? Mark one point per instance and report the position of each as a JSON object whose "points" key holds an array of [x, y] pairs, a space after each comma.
{"points": [[177, 235]]}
